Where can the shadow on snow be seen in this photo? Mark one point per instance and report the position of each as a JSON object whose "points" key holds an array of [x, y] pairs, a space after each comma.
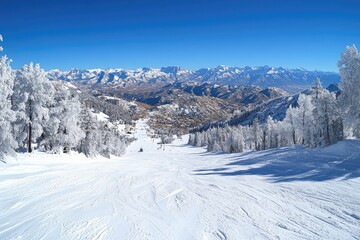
{"points": [[341, 160]]}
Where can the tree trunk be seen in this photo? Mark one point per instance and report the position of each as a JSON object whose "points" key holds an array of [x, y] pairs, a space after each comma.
{"points": [[294, 136], [29, 138], [30, 127]]}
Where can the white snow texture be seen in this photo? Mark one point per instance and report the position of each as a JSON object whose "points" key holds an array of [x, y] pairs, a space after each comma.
{"points": [[183, 192]]}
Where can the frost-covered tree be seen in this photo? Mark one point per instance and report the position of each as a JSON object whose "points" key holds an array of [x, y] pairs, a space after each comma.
{"points": [[34, 110], [349, 99], [306, 118], [272, 133], [90, 126], [111, 143], [101, 138], [326, 117], [237, 140], [317, 88], [7, 115], [256, 134], [211, 137], [32, 97], [63, 132], [314, 122], [291, 124]]}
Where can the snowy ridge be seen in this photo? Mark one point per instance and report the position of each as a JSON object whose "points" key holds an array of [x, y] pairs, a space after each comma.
{"points": [[183, 193], [292, 80]]}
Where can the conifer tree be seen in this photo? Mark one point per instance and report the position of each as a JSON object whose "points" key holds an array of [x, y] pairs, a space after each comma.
{"points": [[349, 99], [7, 115], [33, 95]]}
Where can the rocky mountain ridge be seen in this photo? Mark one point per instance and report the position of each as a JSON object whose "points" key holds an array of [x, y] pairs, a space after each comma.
{"points": [[291, 80]]}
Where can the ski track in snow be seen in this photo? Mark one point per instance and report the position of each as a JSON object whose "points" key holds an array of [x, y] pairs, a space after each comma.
{"points": [[181, 192]]}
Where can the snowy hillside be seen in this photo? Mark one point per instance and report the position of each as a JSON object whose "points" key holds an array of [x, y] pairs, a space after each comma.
{"points": [[292, 80], [183, 192]]}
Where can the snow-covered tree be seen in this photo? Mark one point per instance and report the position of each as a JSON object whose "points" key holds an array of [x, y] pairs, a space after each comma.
{"points": [[349, 99], [256, 133], [90, 126], [237, 140], [291, 124], [7, 115], [272, 133], [111, 143], [34, 110], [63, 132], [306, 118], [166, 137], [317, 88], [101, 138], [32, 97], [326, 117], [314, 122]]}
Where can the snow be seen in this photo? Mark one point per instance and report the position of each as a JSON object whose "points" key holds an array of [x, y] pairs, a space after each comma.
{"points": [[293, 80], [121, 127], [183, 192], [69, 85], [102, 117], [273, 71]]}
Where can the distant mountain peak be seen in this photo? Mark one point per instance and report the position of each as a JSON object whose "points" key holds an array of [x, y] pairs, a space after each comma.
{"points": [[291, 80]]}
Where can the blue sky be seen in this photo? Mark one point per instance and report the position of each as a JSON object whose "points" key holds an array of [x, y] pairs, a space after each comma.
{"points": [[192, 34]]}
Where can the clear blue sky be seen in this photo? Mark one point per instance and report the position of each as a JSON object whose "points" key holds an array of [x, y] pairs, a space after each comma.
{"points": [[189, 33]]}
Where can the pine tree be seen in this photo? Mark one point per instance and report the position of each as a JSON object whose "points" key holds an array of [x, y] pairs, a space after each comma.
{"points": [[256, 134], [290, 123], [325, 116], [306, 109], [7, 115], [349, 99], [63, 132], [92, 139], [32, 97]]}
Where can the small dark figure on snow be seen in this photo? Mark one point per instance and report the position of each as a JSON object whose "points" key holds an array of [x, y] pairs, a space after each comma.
{"points": [[141, 150]]}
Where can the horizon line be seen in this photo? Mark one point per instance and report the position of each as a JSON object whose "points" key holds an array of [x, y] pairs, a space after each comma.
{"points": [[188, 69]]}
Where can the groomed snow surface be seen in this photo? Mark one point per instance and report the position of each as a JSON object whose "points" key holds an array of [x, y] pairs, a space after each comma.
{"points": [[183, 192]]}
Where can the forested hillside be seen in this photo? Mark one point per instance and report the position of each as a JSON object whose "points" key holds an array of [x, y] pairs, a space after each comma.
{"points": [[320, 118], [54, 117]]}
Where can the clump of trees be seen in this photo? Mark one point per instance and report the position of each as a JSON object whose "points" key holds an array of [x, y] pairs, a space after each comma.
{"points": [[7, 115], [349, 99], [38, 113], [320, 119]]}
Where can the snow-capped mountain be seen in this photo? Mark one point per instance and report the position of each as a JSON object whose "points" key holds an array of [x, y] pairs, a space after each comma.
{"points": [[121, 77], [291, 80]]}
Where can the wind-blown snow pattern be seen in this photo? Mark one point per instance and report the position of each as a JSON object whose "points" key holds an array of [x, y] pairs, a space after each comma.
{"points": [[183, 192]]}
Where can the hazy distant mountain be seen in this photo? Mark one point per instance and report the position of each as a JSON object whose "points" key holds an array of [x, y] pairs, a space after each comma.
{"points": [[291, 80]]}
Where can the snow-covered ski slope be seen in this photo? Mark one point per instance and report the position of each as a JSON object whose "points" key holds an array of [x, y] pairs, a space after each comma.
{"points": [[182, 193]]}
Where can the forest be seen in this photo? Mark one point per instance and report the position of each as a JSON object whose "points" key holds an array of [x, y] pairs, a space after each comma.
{"points": [[319, 119], [52, 116]]}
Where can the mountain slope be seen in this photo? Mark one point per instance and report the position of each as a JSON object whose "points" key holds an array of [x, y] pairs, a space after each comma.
{"points": [[179, 106], [183, 193], [276, 108]]}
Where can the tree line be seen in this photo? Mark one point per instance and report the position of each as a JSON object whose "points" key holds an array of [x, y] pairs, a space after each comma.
{"points": [[36, 113], [320, 118]]}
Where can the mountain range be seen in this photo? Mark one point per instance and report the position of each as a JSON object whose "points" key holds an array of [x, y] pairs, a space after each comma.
{"points": [[291, 80], [179, 99]]}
